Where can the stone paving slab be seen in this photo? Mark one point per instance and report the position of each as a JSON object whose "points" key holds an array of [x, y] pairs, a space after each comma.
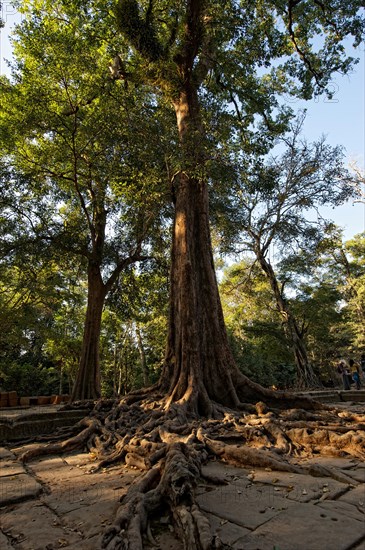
{"points": [[300, 487], [4, 542], [18, 488], [248, 507], [35, 527], [305, 527], [5, 454], [227, 531], [355, 496], [358, 474], [10, 468], [343, 508]]}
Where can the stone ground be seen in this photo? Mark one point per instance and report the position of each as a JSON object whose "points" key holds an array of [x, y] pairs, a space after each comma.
{"points": [[58, 502]]}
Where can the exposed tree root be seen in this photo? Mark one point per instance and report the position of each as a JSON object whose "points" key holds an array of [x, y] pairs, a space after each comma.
{"points": [[171, 445]]}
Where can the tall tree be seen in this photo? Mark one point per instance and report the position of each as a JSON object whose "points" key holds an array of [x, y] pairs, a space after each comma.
{"points": [[196, 48], [279, 204], [79, 137], [345, 262]]}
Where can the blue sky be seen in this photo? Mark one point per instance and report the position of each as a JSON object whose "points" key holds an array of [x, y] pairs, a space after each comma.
{"points": [[341, 120]]}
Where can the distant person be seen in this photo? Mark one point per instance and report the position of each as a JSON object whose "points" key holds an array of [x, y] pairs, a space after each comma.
{"points": [[343, 371], [362, 363], [355, 373]]}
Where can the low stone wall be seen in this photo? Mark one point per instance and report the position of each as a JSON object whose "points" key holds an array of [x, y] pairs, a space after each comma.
{"points": [[26, 424], [11, 399], [335, 396]]}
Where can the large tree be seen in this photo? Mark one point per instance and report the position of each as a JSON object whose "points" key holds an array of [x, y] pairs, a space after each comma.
{"points": [[279, 202], [76, 138], [195, 49]]}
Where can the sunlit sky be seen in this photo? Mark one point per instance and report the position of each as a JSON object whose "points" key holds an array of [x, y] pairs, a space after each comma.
{"points": [[341, 120]]}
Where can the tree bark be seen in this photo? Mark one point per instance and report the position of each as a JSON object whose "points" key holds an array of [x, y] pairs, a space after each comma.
{"points": [[198, 361], [87, 385], [142, 356]]}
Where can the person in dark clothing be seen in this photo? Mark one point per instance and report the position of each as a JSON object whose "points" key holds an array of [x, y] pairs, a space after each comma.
{"points": [[362, 362], [342, 369]]}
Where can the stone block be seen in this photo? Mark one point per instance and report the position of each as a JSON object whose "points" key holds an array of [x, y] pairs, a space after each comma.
{"points": [[35, 527], [312, 526], [44, 400], [18, 488], [24, 401], [13, 402], [5, 454], [248, 506], [10, 468]]}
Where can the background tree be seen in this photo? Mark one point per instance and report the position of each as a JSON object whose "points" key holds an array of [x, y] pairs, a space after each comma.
{"points": [[79, 135], [277, 200], [345, 264], [258, 343]]}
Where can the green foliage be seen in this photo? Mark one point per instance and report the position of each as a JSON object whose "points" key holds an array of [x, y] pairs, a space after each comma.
{"points": [[254, 328], [85, 148]]}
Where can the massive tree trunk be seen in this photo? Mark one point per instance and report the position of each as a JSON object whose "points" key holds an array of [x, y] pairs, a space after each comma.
{"points": [[199, 369], [198, 359], [294, 335], [87, 385]]}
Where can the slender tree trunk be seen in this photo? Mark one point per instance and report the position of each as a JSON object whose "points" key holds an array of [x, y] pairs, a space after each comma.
{"points": [[115, 365], [60, 388], [87, 385], [142, 356], [305, 375]]}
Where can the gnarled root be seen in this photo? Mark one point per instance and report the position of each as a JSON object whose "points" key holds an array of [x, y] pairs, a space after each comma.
{"points": [[79, 441], [170, 485], [169, 447]]}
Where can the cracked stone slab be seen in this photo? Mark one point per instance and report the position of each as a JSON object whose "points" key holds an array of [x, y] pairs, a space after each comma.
{"points": [[355, 496], [228, 532], [357, 474], [310, 525], [90, 520], [34, 527], [71, 494], [52, 469], [18, 488], [5, 454], [343, 508], [10, 469], [248, 506], [300, 487], [4, 542]]}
